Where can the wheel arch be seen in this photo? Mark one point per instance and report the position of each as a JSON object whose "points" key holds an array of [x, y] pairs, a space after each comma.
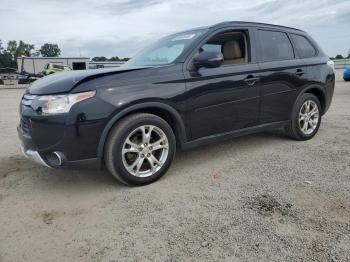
{"points": [[319, 93], [160, 109]]}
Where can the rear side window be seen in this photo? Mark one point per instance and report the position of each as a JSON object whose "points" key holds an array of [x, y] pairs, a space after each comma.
{"points": [[275, 46], [303, 46]]}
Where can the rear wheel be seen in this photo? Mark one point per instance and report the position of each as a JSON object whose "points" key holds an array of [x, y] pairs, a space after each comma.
{"points": [[306, 118], [140, 149]]}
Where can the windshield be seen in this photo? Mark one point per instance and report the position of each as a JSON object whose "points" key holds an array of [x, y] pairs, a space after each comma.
{"points": [[166, 50]]}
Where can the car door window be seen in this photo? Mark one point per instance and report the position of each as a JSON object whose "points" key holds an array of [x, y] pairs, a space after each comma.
{"points": [[303, 46], [274, 46], [231, 44], [212, 48]]}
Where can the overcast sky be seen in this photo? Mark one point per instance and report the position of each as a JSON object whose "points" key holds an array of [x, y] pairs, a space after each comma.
{"points": [[121, 27]]}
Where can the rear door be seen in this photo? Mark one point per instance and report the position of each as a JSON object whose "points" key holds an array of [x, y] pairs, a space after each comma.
{"points": [[282, 74], [225, 98]]}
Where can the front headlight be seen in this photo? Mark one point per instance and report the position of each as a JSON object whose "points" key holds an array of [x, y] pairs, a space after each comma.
{"points": [[58, 104]]}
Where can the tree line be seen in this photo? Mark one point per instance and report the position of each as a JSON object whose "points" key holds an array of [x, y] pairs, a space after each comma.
{"points": [[341, 57], [14, 49], [105, 59]]}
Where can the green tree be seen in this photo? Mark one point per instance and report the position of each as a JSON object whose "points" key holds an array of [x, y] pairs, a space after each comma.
{"points": [[50, 50], [12, 48], [16, 50], [24, 49], [339, 57], [114, 58], [5, 58], [99, 59]]}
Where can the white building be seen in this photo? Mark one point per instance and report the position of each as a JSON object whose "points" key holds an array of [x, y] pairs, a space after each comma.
{"points": [[35, 65]]}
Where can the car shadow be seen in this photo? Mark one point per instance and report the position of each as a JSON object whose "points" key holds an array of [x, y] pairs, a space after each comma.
{"points": [[18, 167], [244, 142]]}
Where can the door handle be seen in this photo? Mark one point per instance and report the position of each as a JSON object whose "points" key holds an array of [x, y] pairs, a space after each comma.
{"points": [[251, 80], [299, 72]]}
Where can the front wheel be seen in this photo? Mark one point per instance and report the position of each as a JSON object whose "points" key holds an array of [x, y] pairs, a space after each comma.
{"points": [[140, 149], [306, 118]]}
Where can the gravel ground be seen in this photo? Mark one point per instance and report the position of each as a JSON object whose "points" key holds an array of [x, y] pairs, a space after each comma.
{"points": [[262, 197]]}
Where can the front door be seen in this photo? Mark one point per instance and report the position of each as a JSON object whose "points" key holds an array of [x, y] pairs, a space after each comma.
{"points": [[225, 98]]}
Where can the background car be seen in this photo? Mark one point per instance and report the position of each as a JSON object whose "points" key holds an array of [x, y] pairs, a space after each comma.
{"points": [[346, 74], [25, 79], [52, 68], [6, 75]]}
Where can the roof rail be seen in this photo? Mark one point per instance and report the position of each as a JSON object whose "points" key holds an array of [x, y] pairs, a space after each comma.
{"points": [[254, 23]]}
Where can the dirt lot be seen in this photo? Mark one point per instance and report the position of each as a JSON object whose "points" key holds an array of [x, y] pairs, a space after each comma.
{"points": [[257, 198]]}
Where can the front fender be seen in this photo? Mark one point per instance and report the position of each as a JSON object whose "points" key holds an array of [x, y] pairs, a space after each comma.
{"points": [[180, 126]]}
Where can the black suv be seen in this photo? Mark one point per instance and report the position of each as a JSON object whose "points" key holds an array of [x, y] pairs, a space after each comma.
{"points": [[187, 89]]}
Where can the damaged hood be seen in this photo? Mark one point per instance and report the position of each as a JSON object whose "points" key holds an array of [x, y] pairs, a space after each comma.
{"points": [[64, 82]]}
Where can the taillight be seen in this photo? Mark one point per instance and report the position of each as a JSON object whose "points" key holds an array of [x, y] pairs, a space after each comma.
{"points": [[330, 63]]}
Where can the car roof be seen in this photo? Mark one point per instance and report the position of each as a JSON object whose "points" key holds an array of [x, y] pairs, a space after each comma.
{"points": [[255, 24], [241, 23]]}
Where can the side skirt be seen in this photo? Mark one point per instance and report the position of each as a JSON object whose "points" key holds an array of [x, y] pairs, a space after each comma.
{"points": [[236, 133]]}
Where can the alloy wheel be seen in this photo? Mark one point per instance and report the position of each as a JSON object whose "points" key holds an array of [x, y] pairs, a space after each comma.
{"points": [[308, 117], [145, 151]]}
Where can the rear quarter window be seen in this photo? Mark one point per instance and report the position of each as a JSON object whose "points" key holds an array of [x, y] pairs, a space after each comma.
{"points": [[303, 46], [274, 46]]}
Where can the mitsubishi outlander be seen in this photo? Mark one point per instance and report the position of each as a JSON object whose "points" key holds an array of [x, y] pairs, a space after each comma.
{"points": [[185, 90]]}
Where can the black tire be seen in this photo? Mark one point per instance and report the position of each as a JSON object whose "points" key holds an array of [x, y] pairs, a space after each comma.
{"points": [[294, 130], [115, 143]]}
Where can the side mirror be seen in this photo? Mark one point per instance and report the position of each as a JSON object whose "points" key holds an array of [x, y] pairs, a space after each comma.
{"points": [[208, 59]]}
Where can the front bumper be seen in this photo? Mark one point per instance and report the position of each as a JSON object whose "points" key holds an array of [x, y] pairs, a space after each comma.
{"points": [[33, 155], [48, 156], [63, 140]]}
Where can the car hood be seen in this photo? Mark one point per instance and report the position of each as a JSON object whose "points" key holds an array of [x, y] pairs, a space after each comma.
{"points": [[66, 81]]}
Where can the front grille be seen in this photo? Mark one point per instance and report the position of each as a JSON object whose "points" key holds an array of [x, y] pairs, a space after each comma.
{"points": [[27, 99]]}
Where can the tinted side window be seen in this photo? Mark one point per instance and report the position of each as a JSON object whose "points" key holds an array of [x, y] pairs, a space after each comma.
{"points": [[274, 46], [303, 46]]}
